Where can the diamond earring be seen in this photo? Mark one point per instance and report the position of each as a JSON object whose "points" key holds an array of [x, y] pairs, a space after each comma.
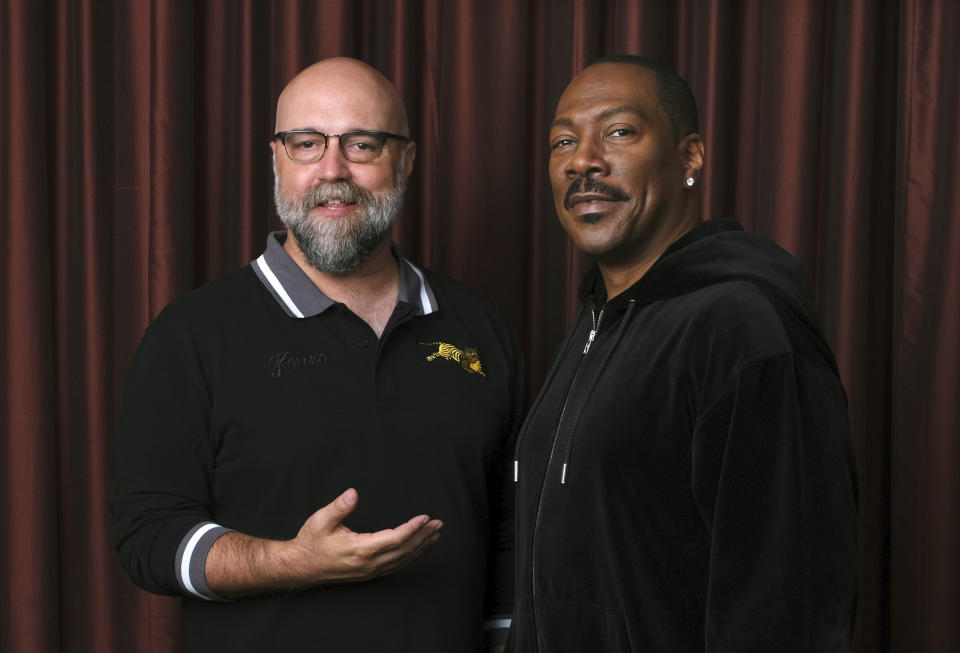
{"points": [[690, 181]]}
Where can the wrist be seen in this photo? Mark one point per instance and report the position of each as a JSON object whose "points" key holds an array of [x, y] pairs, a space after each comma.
{"points": [[288, 562]]}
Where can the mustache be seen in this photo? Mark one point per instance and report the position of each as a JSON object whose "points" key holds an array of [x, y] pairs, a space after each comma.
{"points": [[345, 191], [591, 185]]}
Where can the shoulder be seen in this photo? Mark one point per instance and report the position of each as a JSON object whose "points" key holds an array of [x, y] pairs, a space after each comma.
{"points": [[736, 301], [215, 306], [212, 297], [733, 306], [730, 323], [454, 295]]}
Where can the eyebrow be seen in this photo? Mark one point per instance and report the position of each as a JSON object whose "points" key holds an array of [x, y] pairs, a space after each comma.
{"points": [[607, 113], [345, 131]]}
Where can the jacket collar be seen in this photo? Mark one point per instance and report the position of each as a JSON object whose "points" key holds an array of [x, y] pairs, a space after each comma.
{"points": [[652, 285], [300, 298]]}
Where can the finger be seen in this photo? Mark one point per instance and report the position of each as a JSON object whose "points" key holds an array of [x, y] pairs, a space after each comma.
{"points": [[387, 551], [391, 561], [409, 534], [396, 543], [338, 509]]}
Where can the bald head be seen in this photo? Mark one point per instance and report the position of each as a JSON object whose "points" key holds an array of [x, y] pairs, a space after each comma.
{"points": [[341, 94]]}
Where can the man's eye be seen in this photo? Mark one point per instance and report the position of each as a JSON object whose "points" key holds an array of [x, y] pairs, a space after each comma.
{"points": [[621, 132], [360, 143], [305, 145], [561, 144]]}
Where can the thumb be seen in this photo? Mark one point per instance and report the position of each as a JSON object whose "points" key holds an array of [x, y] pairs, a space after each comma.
{"points": [[338, 509]]}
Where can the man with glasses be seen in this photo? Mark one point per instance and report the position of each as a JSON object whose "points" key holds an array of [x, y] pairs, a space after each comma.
{"points": [[330, 373]]}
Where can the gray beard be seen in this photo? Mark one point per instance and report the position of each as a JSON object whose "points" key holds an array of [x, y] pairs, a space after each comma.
{"points": [[341, 245]]}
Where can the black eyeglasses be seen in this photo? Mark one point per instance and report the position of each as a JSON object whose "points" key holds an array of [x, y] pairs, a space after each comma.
{"points": [[360, 146]]}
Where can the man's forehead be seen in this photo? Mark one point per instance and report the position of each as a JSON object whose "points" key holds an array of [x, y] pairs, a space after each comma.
{"points": [[604, 90], [600, 113], [339, 96], [331, 110]]}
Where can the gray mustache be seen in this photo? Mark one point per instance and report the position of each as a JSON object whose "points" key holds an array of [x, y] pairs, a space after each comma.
{"points": [[335, 190]]}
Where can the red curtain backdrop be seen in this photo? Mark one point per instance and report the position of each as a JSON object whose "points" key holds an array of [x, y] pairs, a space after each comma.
{"points": [[134, 167]]}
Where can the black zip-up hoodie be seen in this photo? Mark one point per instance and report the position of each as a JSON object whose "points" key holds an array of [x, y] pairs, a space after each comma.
{"points": [[686, 479]]}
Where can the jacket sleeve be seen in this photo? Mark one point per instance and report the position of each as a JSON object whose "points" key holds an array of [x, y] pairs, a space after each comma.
{"points": [[774, 478], [161, 463]]}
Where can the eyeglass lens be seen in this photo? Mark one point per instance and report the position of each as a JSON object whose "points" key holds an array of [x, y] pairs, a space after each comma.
{"points": [[357, 146]]}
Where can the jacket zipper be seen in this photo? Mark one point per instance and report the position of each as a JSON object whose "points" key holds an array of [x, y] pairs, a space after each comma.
{"points": [[553, 448]]}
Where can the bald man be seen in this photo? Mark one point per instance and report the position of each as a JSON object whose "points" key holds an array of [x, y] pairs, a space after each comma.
{"points": [[295, 436]]}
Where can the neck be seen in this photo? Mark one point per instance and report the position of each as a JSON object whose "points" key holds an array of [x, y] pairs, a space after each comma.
{"points": [[370, 291], [620, 274]]}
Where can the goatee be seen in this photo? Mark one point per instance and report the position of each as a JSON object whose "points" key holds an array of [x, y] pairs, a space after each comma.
{"points": [[341, 245]]}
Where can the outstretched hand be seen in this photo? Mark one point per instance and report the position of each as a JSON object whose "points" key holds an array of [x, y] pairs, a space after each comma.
{"points": [[324, 551], [331, 552]]}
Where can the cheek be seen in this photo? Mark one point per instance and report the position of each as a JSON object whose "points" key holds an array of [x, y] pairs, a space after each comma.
{"points": [[558, 201], [559, 184], [378, 179], [293, 180]]}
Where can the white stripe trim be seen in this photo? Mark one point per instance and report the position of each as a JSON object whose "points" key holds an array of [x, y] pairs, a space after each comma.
{"points": [[425, 302], [496, 623], [187, 554], [278, 288]]}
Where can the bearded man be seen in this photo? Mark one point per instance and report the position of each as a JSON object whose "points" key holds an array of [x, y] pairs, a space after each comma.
{"points": [[330, 372]]}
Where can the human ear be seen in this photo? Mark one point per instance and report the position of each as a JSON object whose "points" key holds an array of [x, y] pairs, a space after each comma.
{"points": [[411, 155], [691, 155]]}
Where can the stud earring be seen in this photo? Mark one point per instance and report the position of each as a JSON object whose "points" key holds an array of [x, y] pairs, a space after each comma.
{"points": [[690, 181]]}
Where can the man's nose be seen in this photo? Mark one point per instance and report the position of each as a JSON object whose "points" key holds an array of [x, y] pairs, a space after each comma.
{"points": [[588, 160], [332, 166]]}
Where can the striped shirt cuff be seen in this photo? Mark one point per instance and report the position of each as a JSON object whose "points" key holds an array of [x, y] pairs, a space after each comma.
{"points": [[192, 559], [495, 630]]}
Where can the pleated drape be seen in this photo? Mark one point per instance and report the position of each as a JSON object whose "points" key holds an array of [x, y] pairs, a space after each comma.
{"points": [[925, 438], [134, 167]]}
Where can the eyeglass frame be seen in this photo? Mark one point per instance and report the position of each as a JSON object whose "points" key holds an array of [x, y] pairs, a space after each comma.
{"points": [[382, 135]]}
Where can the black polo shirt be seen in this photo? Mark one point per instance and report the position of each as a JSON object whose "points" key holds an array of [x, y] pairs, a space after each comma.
{"points": [[257, 400]]}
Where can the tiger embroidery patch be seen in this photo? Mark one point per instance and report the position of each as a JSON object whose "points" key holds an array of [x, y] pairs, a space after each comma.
{"points": [[468, 358]]}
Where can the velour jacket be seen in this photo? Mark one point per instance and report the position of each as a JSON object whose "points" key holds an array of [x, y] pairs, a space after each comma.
{"points": [[686, 478]]}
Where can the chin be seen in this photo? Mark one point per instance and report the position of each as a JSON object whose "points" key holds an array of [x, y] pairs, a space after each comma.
{"points": [[591, 247]]}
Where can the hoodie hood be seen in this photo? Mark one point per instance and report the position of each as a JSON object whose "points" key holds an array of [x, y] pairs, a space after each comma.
{"points": [[719, 251]]}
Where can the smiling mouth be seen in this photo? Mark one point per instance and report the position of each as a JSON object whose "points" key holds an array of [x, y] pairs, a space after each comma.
{"points": [[591, 208], [336, 207], [590, 198]]}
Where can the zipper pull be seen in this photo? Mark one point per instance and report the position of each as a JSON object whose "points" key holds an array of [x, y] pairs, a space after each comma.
{"points": [[593, 331], [593, 334]]}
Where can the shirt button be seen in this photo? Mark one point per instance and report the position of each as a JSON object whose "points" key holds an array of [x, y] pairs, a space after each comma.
{"points": [[362, 343]]}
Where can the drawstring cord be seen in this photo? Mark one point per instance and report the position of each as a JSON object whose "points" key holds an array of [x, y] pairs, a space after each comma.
{"points": [[554, 367]]}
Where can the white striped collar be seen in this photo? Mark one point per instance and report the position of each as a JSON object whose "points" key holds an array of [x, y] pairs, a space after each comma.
{"points": [[299, 297]]}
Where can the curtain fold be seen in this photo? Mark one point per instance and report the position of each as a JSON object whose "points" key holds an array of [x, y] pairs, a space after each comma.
{"points": [[30, 617], [925, 452], [134, 167]]}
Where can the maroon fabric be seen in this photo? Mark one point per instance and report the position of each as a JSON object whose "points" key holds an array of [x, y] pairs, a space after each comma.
{"points": [[135, 167], [925, 438]]}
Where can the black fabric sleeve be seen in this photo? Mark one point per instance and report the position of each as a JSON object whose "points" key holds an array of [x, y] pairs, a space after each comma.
{"points": [[500, 577], [774, 479], [161, 460]]}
